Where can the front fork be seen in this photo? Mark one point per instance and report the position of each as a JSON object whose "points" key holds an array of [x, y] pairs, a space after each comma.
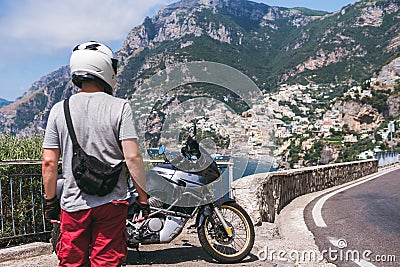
{"points": [[208, 211], [221, 218]]}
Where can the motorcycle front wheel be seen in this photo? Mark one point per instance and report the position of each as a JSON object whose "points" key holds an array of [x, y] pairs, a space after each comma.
{"points": [[216, 242]]}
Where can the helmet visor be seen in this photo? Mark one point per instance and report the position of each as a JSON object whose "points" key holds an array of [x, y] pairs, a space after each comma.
{"points": [[114, 64]]}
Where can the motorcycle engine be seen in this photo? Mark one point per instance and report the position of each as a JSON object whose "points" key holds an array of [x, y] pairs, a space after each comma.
{"points": [[155, 230], [155, 224]]}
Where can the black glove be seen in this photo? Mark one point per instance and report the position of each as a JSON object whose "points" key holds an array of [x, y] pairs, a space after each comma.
{"points": [[52, 209], [145, 208]]}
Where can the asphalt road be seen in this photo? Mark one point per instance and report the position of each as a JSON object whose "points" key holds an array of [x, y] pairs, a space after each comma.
{"points": [[361, 222]]}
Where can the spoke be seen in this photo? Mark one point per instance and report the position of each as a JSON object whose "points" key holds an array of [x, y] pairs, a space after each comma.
{"points": [[239, 242]]}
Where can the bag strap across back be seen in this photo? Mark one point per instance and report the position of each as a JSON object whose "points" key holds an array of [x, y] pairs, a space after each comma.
{"points": [[70, 125]]}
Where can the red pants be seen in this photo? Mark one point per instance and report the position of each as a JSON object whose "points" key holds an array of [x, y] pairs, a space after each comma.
{"points": [[101, 228]]}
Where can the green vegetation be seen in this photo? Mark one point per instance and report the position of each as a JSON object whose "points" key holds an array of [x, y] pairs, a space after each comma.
{"points": [[378, 101], [335, 137], [312, 157], [294, 154], [293, 107], [352, 150], [12, 147]]}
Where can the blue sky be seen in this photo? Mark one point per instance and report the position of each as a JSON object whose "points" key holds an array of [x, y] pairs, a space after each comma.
{"points": [[38, 35]]}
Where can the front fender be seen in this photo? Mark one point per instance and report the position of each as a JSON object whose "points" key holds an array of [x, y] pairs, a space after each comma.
{"points": [[224, 200], [207, 210]]}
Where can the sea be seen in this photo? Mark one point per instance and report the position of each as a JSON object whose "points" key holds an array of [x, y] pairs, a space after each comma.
{"points": [[241, 168]]}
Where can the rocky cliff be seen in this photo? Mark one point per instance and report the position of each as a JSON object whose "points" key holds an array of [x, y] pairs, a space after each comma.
{"points": [[390, 73], [28, 114], [358, 117]]}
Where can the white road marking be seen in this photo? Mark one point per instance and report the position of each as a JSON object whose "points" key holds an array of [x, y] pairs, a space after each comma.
{"points": [[342, 244], [317, 209], [338, 242], [333, 240], [363, 263]]}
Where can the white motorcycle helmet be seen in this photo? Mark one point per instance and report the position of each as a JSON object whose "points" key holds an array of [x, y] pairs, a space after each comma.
{"points": [[94, 61]]}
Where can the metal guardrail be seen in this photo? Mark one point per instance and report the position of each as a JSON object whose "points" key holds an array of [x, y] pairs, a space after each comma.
{"points": [[21, 207], [386, 158]]}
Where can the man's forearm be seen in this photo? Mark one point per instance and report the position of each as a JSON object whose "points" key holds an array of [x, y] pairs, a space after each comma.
{"points": [[134, 161], [49, 181], [50, 172], [136, 170]]}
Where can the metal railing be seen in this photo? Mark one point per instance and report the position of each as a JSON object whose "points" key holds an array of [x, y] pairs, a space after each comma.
{"points": [[386, 158], [21, 207]]}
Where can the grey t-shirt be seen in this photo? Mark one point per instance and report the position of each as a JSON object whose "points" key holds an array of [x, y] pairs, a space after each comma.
{"points": [[100, 121]]}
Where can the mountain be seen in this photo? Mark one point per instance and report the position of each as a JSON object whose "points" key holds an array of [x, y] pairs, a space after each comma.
{"points": [[271, 45], [28, 114], [325, 54], [4, 102]]}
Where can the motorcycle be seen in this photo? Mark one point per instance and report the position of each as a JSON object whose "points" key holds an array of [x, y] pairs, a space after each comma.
{"points": [[179, 191]]}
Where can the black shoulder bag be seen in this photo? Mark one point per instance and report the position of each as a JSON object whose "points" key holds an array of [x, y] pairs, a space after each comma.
{"points": [[92, 176]]}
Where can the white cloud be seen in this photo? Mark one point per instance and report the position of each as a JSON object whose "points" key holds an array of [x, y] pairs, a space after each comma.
{"points": [[51, 25]]}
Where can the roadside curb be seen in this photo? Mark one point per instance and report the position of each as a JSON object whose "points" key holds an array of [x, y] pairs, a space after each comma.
{"points": [[25, 251]]}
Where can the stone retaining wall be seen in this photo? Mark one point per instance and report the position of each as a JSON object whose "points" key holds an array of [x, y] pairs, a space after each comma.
{"points": [[265, 195]]}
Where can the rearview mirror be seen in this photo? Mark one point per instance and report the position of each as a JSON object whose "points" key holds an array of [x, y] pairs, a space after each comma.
{"points": [[161, 150]]}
